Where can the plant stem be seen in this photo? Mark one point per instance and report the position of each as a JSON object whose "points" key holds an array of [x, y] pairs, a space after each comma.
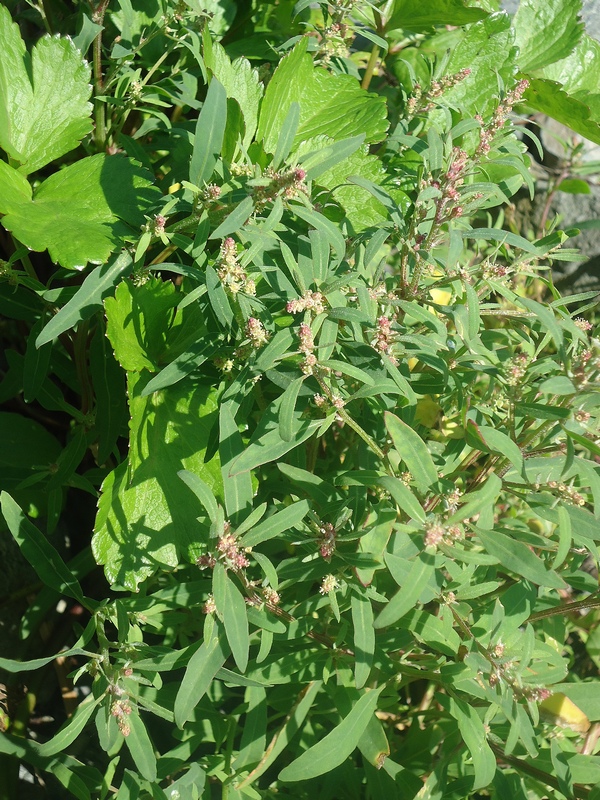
{"points": [[372, 63]]}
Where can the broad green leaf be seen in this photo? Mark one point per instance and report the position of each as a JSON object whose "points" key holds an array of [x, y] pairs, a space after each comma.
{"points": [[208, 137], [42, 556], [277, 523], [473, 733], [287, 135], [333, 105], [237, 487], [410, 590], [364, 638], [519, 559], [574, 186], [576, 102], [71, 730], [78, 214], [138, 321], [413, 451], [141, 748], [232, 607], [88, 298], [183, 365], [414, 15], [199, 674], [146, 515], [44, 108], [326, 158], [549, 97], [340, 743], [546, 32], [241, 81], [487, 49]]}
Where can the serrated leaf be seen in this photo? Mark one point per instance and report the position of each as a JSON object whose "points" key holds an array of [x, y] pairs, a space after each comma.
{"points": [[333, 105], [414, 15], [147, 517], [138, 321], [335, 748], [546, 32], [549, 97], [87, 299], [413, 451], [487, 49], [77, 214], [44, 108]]}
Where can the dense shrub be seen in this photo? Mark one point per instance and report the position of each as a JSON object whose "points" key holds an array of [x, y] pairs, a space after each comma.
{"points": [[263, 298]]}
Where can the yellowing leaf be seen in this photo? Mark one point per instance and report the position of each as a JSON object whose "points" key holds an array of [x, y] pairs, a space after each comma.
{"points": [[561, 711]]}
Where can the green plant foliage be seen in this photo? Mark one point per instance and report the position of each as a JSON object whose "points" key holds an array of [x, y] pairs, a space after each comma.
{"points": [[272, 318]]}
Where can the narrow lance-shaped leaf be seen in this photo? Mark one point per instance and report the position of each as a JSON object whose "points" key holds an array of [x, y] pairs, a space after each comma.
{"points": [[413, 451], [335, 748], [200, 672], [410, 589], [364, 638], [231, 606], [46, 561], [210, 129], [88, 299], [140, 746]]}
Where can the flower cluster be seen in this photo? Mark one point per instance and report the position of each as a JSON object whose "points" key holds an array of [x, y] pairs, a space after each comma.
{"points": [[210, 193], [271, 596], [120, 710], [383, 338], [515, 369], [499, 118], [329, 584], [289, 184], [256, 333], [230, 273], [306, 346], [568, 493], [326, 540], [436, 534], [232, 555], [422, 101], [310, 301]]}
